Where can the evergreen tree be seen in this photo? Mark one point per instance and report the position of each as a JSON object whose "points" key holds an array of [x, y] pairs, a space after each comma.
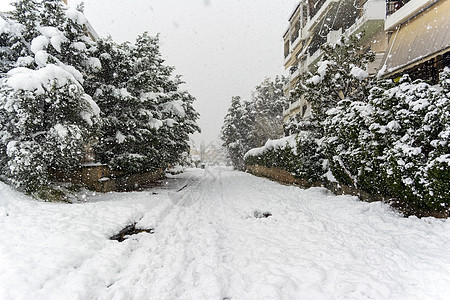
{"points": [[46, 117], [147, 118], [236, 130], [26, 12], [339, 75], [268, 101], [119, 109], [48, 120]]}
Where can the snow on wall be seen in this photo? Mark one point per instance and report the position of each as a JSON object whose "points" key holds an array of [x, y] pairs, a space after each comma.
{"points": [[273, 144]]}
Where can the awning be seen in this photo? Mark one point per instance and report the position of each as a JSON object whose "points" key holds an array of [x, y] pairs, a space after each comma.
{"points": [[425, 36]]}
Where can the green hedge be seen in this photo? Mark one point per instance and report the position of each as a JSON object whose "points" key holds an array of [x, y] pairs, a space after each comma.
{"points": [[395, 144]]}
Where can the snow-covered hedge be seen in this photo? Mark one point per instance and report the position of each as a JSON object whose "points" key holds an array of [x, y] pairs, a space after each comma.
{"points": [[299, 154], [396, 144]]}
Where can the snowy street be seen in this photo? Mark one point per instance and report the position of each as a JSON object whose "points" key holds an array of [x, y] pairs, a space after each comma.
{"points": [[219, 234]]}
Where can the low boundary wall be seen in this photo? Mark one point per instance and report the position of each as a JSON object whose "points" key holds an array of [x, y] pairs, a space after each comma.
{"points": [[100, 178], [284, 177]]}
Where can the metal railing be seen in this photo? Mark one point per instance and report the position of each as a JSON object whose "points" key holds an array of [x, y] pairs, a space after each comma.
{"points": [[393, 5]]}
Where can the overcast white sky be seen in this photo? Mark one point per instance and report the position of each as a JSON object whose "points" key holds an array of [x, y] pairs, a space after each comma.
{"points": [[222, 48]]}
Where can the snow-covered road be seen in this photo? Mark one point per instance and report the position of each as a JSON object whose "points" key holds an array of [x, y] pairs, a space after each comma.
{"points": [[208, 244]]}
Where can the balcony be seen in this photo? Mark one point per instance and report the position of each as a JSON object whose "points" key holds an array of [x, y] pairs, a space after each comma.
{"points": [[295, 43], [314, 8], [393, 5], [294, 75], [320, 9], [292, 106], [399, 14], [287, 59], [311, 59], [371, 18]]}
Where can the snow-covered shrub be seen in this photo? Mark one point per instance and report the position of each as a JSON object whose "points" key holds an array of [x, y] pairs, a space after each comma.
{"points": [[147, 117], [417, 161], [249, 124], [345, 127], [406, 145], [300, 154], [46, 120], [310, 157], [395, 144]]}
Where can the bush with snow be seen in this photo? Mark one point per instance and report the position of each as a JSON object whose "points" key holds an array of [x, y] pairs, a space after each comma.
{"points": [[46, 119], [300, 154], [411, 128], [385, 139], [147, 117], [251, 123], [46, 116]]}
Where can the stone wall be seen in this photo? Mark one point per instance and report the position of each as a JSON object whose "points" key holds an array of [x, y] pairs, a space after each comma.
{"points": [[135, 181], [280, 175], [285, 177], [100, 178]]}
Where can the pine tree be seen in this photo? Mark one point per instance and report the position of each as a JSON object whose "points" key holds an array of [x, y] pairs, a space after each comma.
{"points": [[147, 118], [48, 122], [47, 117], [268, 101], [339, 75]]}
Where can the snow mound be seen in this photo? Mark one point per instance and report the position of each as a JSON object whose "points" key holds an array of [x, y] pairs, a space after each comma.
{"points": [[39, 80], [273, 144]]}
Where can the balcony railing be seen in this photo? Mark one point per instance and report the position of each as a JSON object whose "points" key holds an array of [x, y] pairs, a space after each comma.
{"points": [[393, 5], [315, 6]]}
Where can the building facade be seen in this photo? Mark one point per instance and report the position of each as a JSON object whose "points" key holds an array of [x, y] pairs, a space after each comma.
{"points": [[406, 36], [419, 39]]}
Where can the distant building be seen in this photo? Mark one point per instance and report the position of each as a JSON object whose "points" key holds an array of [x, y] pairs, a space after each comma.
{"points": [[406, 36], [213, 153]]}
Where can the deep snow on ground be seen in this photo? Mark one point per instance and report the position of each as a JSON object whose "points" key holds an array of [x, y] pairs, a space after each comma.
{"points": [[209, 245]]}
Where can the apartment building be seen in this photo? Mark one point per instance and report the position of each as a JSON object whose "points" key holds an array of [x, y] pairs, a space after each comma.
{"points": [[406, 36], [419, 39]]}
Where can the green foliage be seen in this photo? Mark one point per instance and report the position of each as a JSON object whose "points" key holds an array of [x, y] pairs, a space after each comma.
{"points": [[250, 124], [385, 139], [147, 118], [299, 154]]}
